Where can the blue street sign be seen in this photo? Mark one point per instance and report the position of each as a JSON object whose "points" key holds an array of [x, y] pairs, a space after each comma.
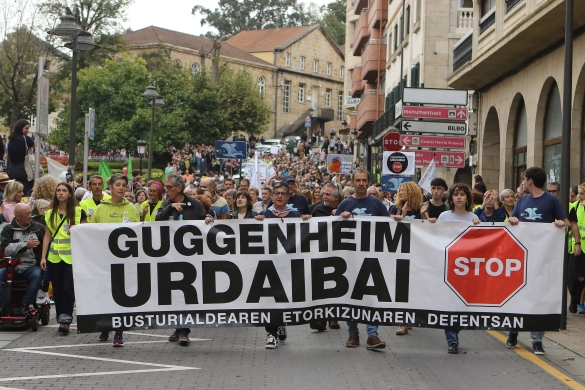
{"points": [[230, 149], [308, 122], [91, 124], [390, 183]]}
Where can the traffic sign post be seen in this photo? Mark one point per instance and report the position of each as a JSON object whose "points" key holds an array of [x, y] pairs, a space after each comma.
{"points": [[391, 142], [442, 159], [428, 141], [488, 273], [450, 97], [455, 128], [455, 114]]}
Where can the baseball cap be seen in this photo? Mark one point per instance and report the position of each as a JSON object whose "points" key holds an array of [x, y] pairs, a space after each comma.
{"points": [[289, 178]]}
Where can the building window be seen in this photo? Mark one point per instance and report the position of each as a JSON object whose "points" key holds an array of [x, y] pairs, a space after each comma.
{"points": [[340, 106], [396, 37], [177, 63], [401, 28], [415, 76], [341, 71], [262, 86], [301, 93], [286, 96], [553, 125], [302, 63], [520, 144], [287, 59], [408, 20], [329, 69], [486, 6], [194, 67], [316, 66], [327, 97]]}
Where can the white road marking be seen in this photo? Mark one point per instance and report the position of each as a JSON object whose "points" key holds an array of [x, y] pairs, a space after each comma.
{"points": [[99, 344], [24, 378]]}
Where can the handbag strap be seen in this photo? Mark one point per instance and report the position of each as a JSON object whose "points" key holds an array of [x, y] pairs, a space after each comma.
{"points": [[57, 231], [26, 144]]}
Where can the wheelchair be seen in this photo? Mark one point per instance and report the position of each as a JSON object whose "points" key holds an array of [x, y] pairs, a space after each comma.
{"points": [[13, 316]]}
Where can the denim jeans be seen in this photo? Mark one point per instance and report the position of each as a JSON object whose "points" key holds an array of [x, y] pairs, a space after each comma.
{"points": [[353, 328], [452, 336], [535, 336], [33, 275]]}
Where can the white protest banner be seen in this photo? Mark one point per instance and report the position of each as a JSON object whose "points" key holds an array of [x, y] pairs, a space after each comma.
{"points": [[340, 163], [371, 270], [429, 175]]}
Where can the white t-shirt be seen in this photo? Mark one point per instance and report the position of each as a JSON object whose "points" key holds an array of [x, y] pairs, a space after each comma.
{"points": [[451, 216]]}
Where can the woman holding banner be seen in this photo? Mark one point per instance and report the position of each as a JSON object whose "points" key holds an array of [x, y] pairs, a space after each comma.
{"points": [[280, 209], [243, 208], [57, 250], [151, 206]]}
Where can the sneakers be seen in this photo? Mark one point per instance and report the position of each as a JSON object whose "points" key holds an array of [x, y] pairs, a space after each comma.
{"points": [[118, 340], [374, 342], [174, 337], [63, 328], [104, 336], [353, 341], [512, 340], [581, 308], [271, 341], [402, 330], [184, 340], [334, 325], [24, 308], [281, 334], [453, 348], [321, 326], [537, 348], [573, 307]]}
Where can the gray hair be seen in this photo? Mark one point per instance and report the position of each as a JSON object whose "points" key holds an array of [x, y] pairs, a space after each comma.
{"points": [[348, 190], [231, 193], [505, 193], [177, 180], [376, 188], [336, 189]]}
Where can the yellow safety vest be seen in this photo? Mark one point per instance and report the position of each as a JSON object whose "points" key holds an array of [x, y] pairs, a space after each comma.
{"points": [[60, 249], [89, 206], [580, 225], [149, 217]]}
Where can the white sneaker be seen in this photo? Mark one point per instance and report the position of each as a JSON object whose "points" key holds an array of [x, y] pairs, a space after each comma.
{"points": [[271, 342], [282, 334]]}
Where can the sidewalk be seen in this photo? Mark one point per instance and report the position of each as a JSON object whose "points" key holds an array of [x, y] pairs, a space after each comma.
{"points": [[573, 338]]}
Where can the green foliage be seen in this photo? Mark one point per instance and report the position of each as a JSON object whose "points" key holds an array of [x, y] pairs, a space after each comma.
{"points": [[196, 110], [333, 20]]}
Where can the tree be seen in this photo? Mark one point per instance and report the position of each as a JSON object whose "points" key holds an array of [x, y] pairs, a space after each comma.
{"points": [[20, 50], [234, 16], [247, 112], [333, 20]]}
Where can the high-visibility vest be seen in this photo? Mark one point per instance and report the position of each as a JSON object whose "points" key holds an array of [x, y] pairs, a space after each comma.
{"points": [[89, 206], [60, 249], [580, 225], [149, 217]]}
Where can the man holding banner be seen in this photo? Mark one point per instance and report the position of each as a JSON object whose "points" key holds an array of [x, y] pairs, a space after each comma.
{"points": [[362, 204]]}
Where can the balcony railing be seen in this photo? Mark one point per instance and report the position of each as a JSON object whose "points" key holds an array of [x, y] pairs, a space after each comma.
{"points": [[360, 34], [487, 20], [465, 18], [378, 14], [463, 50], [384, 122], [511, 4], [373, 60], [358, 5], [369, 109], [357, 84]]}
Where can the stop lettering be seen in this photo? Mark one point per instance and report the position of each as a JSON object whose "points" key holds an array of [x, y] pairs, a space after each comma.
{"points": [[397, 167], [485, 266]]}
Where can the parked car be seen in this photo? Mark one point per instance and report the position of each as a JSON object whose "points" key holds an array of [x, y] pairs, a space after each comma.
{"points": [[276, 142]]}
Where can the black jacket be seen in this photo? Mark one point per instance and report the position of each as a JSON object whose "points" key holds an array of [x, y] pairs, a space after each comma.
{"points": [[13, 240], [249, 214], [322, 211], [192, 210]]}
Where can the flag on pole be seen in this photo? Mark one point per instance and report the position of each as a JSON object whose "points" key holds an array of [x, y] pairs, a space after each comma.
{"points": [[130, 169], [104, 171], [430, 173]]}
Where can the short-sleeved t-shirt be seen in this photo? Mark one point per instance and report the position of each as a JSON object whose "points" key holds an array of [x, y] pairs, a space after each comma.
{"points": [[220, 207], [412, 214], [435, 211], [451, 216], [363, 207], [545, 208], [573, 213]]}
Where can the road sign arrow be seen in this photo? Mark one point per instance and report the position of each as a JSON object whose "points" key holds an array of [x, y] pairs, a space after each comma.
{"points": [[459, 160], [406, 140], [461, 114], [406, 126]]}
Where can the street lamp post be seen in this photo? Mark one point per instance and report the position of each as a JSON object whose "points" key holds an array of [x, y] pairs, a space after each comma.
{"points": [[155, 101], [141, 150], [69, 27]]}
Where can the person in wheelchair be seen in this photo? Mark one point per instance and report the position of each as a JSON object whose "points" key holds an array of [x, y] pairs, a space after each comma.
{"points": [[23, 239]]}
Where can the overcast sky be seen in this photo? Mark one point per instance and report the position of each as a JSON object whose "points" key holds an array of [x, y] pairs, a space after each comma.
{"points": [[174, 14]]}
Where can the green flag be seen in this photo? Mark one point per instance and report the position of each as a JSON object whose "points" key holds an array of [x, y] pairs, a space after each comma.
{"points": [[130, 169], [104, 171]]}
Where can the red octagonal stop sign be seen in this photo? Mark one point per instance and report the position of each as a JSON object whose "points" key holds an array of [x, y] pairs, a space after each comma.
{"points": [[485, 266]]}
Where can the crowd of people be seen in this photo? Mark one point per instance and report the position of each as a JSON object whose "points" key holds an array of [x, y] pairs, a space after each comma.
{"points": [[300, 187]]}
